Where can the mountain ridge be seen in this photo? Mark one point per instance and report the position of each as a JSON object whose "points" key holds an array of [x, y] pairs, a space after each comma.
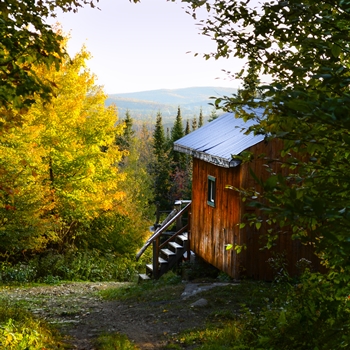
{"points": [[145, 104]]}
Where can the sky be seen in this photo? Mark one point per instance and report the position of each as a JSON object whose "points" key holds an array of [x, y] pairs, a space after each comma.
{"points": [[145, 46]]}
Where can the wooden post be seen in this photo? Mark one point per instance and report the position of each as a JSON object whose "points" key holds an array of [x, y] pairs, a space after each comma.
{"points": [[189, 236], [157, 213], [155, 258], [177, 206]]}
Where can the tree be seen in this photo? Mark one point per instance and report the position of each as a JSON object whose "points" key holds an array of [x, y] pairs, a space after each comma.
{"points": [[187, 128], [302, 46], [26, 42], [201, 119], [124, 140], [161, 166], [129, 133], [177, 132], [63, 168], [159, 141], [194, 123], [129, 223], [181, 164], [213, 115]]}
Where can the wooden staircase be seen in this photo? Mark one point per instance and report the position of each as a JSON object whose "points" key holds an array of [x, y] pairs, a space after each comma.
{"points": [[168, 253]]}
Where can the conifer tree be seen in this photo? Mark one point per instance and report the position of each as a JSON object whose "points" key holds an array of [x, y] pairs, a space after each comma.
{"points": [[194, 124], [187, 129], [181, 166], [124, 140], [213, 115], [129, 133], [159, 141], [177, 131], [168, 138], [160, 168], [201, 119]]}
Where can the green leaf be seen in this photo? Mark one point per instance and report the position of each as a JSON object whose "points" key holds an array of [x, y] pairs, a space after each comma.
{"points": [[282, 318], [336, 50]]}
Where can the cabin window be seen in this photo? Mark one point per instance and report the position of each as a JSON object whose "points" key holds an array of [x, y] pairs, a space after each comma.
{"points": [[211, 191]]}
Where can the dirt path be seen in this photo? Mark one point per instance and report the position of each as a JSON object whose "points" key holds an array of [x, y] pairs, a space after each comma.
{"points": [[83, 315]]}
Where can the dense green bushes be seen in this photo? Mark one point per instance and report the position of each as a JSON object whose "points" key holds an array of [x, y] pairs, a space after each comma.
{"points": [[308, 316], [82, 265]]}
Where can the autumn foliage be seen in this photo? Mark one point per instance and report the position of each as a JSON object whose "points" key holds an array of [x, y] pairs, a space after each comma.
{"points": [[59, 173]]}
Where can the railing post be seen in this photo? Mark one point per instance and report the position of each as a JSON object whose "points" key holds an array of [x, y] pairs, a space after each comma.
{"points": [[189, 235], [157, 213], [177, 206], [155, 258]]}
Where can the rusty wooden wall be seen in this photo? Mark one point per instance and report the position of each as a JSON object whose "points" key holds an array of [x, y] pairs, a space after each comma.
{"points": [[214, 227]]}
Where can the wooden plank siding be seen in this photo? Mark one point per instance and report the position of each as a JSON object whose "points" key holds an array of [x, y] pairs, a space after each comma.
{"points": [[212, 228], [254, 259]]}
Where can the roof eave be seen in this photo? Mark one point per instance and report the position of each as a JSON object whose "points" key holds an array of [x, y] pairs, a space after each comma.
{"points": [[219, 161]]}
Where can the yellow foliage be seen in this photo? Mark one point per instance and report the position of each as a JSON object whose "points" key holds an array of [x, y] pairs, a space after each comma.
{"points": [[62, 162]]}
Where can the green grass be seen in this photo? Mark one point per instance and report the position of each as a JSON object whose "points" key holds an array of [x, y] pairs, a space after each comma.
{"points": [[114, 341], [225, 323], [168, 287]]}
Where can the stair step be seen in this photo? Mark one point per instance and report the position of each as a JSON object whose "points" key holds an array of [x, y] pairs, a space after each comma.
{"points": [[167, 252], [182, 238], [143, 277], [162, 261], [175, 245]]}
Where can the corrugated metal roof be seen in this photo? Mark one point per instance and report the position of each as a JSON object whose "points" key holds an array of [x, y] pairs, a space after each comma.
{"points": [[218, 140]]}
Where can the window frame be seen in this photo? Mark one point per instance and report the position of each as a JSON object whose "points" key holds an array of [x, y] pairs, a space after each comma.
{"points": [[211, 191]]}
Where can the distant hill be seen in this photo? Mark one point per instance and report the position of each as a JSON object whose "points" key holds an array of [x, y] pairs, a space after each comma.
{"points": [[144, 105]]}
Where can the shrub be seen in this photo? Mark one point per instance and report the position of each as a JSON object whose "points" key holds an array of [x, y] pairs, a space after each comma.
{"points": [[85, 265], [20, 273], [19, 330]]}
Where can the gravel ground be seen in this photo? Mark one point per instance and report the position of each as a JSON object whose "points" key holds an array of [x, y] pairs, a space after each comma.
{"points": [[82, 314]]}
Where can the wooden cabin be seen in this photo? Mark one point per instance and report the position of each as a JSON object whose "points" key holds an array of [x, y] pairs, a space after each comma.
{"points": [[218, 210]]}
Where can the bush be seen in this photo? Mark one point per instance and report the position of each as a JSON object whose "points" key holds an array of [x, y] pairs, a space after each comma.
{"points": [[310, 316], [19, 330], [19, 273], [86, 265]]}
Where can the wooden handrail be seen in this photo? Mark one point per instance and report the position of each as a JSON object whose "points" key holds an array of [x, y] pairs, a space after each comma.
{"points": [[173, 236], [172, 217]]}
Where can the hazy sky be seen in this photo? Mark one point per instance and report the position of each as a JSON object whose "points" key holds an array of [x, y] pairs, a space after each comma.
{"points": [[144, 46]]}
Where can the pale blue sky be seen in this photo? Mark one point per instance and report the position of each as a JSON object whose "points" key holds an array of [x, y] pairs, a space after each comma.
{"points": [[137, 47]]}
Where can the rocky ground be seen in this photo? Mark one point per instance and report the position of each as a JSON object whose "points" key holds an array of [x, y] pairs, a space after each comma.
{"points": [[79, 312]]}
